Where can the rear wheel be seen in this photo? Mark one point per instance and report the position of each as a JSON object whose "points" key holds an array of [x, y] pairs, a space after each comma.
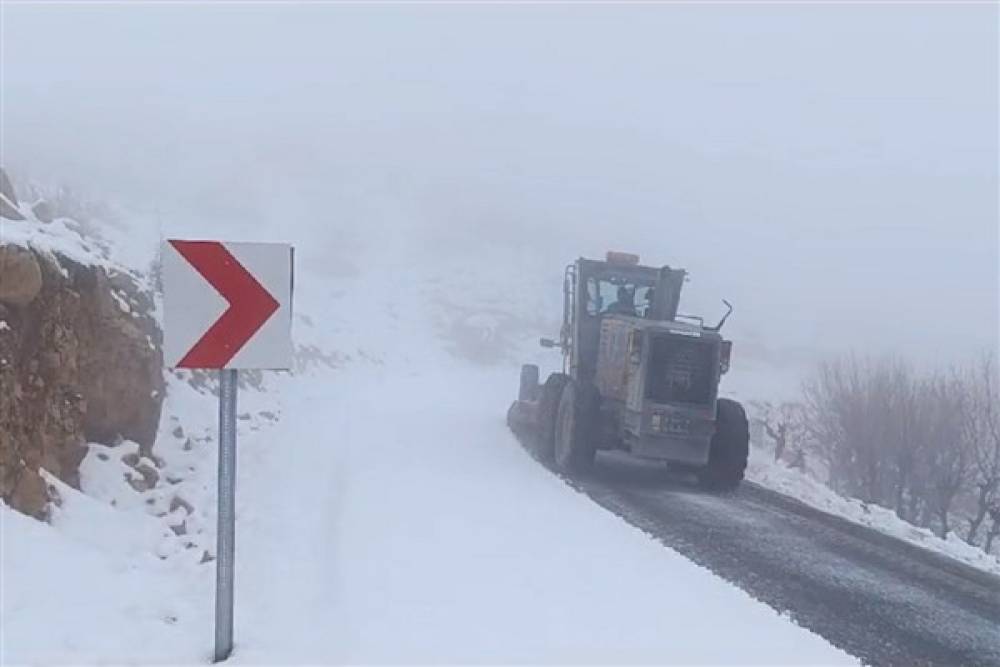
{"points": [[576, 427], [727, 454], [528, 389], [548, 404]]}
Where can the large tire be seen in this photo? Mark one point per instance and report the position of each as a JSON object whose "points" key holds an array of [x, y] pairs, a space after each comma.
{"points": [[577, 422], [513, 423], [528, 389], [548, 404], [727, 454]]}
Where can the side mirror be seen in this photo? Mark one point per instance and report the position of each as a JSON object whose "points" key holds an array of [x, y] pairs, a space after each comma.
{"points": [[725, 355], [547, 342]]}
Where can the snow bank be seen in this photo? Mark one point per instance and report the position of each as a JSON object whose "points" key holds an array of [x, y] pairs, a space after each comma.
{"points": [[90, 589], [766, 472]]}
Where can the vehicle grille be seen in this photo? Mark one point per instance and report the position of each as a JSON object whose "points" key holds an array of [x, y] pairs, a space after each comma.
{"points": [[681, 370]]}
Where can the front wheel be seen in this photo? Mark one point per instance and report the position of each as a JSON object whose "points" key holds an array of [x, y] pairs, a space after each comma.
{"points": [[548, 406], [576, 427], [728, 451]]}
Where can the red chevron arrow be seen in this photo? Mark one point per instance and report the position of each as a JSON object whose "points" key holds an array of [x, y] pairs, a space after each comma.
{"points": [[250, 305]]}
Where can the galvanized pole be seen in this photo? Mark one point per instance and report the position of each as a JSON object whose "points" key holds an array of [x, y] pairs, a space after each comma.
{"points": [[226, 538]]}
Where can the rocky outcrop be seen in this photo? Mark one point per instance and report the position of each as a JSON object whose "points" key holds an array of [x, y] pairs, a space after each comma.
{"points": [[80, 362]]}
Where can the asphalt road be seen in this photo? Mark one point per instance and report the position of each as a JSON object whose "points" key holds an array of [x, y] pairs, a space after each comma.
{"points": [[882, 600]]}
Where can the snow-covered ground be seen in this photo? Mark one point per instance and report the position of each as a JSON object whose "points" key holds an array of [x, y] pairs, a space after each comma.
{"points": [[429, 536], [385, 514], [432, 537]]}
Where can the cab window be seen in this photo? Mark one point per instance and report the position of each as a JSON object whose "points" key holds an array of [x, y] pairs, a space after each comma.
{"points": [[602, 297]]}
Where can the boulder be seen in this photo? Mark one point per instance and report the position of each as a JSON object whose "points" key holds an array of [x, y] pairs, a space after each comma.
{"points": [[30, 493], [20, 276]]}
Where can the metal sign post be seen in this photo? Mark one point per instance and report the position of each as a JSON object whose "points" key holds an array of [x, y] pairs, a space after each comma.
{"points": [[227, 306], [226, 531]]}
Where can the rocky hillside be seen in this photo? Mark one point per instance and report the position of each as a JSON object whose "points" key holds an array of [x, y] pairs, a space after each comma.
{"points": [[79, 354]]}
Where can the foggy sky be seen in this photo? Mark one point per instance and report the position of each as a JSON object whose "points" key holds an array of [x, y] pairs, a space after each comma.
{"points": [[832, 170]]}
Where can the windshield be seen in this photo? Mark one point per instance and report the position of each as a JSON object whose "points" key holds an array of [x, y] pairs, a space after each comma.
{"points": [[618, 296]]}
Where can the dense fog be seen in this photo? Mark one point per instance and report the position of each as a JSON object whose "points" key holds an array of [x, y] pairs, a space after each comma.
{"points": [[830, 169]]}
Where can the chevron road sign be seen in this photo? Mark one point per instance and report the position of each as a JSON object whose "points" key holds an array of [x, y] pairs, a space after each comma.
{"points": [[226, 306]]}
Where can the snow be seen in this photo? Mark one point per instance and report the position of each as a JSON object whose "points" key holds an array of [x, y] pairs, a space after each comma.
{"points": [[61, 237], [763, 470], [425, 536], [90, 589], [120, 300], [435, 529], [113, 249], [429, 536], [384, 511]]}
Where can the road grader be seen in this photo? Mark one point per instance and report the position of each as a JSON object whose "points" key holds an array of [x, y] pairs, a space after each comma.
{"points": [[636, 376]]}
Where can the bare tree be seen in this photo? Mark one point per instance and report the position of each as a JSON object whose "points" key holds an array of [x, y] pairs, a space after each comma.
{"points": [[994, 529], [906, 446], [948, 458], [784, 424], [982, 424], [925, 445], [829, 405], [853, 409]]}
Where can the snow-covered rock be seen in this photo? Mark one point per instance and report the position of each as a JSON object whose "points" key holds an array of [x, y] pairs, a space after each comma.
{"points": [[74, 366]]}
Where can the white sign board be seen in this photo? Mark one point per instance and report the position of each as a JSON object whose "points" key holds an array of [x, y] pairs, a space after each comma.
{"points": [[227, 305]]}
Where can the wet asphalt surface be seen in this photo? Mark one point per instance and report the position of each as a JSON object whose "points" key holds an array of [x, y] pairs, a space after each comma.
{"points": [[877, 598]]}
